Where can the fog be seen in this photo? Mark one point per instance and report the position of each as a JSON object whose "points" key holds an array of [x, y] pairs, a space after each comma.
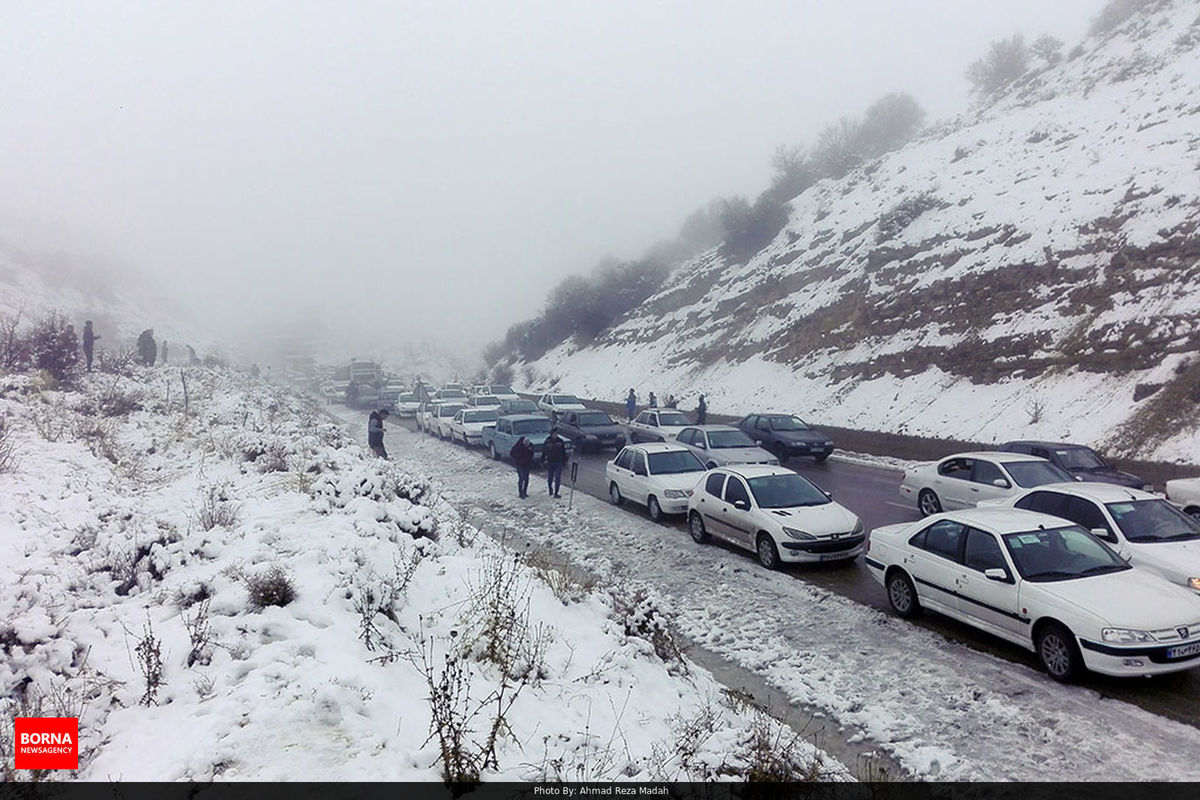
{"points": [[428, 170]]}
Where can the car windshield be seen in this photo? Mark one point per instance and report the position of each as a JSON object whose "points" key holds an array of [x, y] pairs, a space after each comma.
{"points": [[595, 420], [675, 420], [521, 407], [452, 393], [788, 424], [786, 491], [486, 400], [565, 399], [528, 426], [1153, 521], [407, 398], [1083, 458], [480, 416], [720, 439], [675, 462], [1061, 554], [449, 410], [1028, 474], [502, 390]]}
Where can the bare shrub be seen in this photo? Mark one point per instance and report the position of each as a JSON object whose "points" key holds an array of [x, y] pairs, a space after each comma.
{"points": [[111, 400], [15, 351], [150, 659], [99, 436], [375, 596], [55, 346], [893, 221], [199, 630], [8, 446], [1036, 408], [1047, 48], [1005, 61], [568, 583], [1115, 13], [774, 753], [119, 362], [271, 588], [217, 509], [496, 624], [639, 614], [51, 424]]}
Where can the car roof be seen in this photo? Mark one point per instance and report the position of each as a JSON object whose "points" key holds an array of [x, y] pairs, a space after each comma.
{"points": [[756, 470], [1095, 490], [519, 417], [715, 427], [1002, 519], [1039, 443], [994, 455], [658, 447]]}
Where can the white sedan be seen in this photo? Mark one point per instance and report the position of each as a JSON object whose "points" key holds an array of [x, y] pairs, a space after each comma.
{"points": [[772, 511], [555, 404], [1185, 493], [657, 425], [1142, 527], [440, 416], [966, 479], [484, 401], [467, 425], [659, 476], [1043, 583]]}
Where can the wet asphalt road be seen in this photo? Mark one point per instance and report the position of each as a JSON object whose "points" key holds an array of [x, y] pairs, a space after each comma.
{"points": [[873, 493]]}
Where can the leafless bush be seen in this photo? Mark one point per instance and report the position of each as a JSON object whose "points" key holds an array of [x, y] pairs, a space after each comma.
{"points": [[149, 656], [28, 703], [271, 588], [119, 362], [376, 595], [774, 753], [639, 614], [15, 353], [217, 509], [496, 625], [1036, 408], [111, 400], [905, 213], [55, 346], [8, 446], [568, 583], [1005, 61], [273, 458], [51, 424], [99, 436], [199, 631]]}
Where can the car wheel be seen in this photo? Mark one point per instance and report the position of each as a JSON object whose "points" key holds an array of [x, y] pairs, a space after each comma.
{"points": [[1058, 652], [768, 554], [821, 458], [696, 528], [902, 595], [781, 452], [654, 509], [492, 451], [614, 494], [928, 502]]}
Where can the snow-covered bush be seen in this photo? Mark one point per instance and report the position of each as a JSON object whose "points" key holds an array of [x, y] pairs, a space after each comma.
{"points": [[8, 446], [640, 615], [270, 588], [217, 509]]}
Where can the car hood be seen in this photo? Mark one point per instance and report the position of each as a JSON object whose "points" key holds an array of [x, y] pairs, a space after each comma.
{"points": [[1108, 475], [802, 436], [739, 455], [819, 520], [602, 430], [1178, 560], [1130, 599]]}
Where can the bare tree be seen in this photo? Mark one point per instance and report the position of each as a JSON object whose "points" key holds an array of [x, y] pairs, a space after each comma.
{"points": [[1005, 61]]}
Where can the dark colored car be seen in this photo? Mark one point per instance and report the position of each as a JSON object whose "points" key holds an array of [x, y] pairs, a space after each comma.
{"points": [[509, 407], [1081, 461], [591, 430], [786, 435]]}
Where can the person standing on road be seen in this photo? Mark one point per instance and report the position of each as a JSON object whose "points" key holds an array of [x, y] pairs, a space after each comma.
{"points": [[630, 405], [522, 458], [375, 432], [554, 453], [653, 401], [701, 411], [89, 343]]}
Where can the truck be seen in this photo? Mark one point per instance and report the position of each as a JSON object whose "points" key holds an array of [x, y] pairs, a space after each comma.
{"points": [[366, 378], [500, 438]]}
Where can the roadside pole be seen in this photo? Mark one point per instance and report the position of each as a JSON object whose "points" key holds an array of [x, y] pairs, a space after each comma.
{"points": [[574, 475]]}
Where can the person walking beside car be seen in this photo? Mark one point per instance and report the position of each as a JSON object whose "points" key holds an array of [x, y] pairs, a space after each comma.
{"points": [[701, 411], [375, 432], [554, 453], [89, 343], [522, 458], [630, 405]]}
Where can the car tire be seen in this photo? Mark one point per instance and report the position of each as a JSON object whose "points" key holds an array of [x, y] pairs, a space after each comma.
{"points": [[928, 503], [614, 494], [654, 509], [821, 458], [492, 451], [696, 528], [902, 595], [768, 553], [780, 451], [1058, 652]]}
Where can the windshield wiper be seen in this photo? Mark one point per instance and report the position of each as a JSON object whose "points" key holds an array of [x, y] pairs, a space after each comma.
{"points": [[1099, 568], [1054, 573]]}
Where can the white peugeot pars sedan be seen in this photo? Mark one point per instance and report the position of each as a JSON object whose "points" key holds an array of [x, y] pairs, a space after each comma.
{"points": [[1043, 583], [782, 516], [659, 476], [967, 479]]}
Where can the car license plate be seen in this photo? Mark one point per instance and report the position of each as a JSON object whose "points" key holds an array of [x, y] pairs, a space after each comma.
{"points": [[1184, 651], [832, 557]]}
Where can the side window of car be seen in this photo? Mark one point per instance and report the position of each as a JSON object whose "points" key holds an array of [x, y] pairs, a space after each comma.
{"points": [[1041, 452], [643, 418], [1051, 503], [983, 551], [763, 424], [1085, 514], [942, 538], [623, 459], [639, 464], [504, 426], [987, 472], [956, 468], [700, 440], [736, 490], [713, 483], [685, 436]]}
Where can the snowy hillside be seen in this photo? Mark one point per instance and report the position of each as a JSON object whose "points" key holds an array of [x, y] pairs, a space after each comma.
{"points": [[1029, 269], [221, 584]]}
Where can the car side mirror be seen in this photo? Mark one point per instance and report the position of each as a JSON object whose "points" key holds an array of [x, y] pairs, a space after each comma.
{"points": [[996, 574], [829, 495], [702, 445], [744, 505], [1003, 484], [758, 442]]}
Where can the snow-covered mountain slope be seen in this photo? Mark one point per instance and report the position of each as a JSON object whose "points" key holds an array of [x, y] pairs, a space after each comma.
{"points": [[1029, 269]]}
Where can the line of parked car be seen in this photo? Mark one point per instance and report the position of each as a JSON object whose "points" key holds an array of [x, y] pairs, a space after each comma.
{"points": [[1040, 543]]}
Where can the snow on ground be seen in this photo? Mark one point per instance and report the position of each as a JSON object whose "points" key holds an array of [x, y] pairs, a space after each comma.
{"points": [[136, 539], [944, 711]]}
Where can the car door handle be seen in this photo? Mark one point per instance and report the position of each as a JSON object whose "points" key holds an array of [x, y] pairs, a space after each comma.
{"points": [[973, 489]]}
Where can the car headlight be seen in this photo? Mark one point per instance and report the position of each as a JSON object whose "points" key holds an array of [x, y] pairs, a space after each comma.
{"points": [[590, 436], [796, 533], [1125, 635], [676, 493], [829, 444], [858, 527], [1194, 583]]}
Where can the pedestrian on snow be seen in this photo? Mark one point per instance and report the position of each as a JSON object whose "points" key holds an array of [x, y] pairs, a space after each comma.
{"points": [[89, 343], [522, 458], [147, 347], [701, 411], [554, 453], [630, 405], [375, 432], [163, 349], [653, 401], [672, 402]]}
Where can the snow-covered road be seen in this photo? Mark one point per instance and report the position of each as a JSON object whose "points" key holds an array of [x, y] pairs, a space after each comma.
{"points": [[942, 710]]}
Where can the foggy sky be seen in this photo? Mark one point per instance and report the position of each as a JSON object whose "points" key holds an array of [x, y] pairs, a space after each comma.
{"points": [[431, 169]]}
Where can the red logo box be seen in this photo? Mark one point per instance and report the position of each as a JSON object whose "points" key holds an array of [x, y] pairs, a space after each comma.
{"points": [[46, 742]]}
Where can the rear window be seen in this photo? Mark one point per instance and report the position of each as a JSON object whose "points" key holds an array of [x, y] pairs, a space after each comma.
{"points": [[564, 399], [1028, 474]]}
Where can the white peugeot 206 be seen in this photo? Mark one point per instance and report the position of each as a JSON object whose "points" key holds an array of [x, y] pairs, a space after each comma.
{"points": [[659, 476], [1043, 583], [772, 511]]}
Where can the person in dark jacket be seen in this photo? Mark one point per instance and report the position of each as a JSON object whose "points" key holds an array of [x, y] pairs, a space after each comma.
{"points": [[653, 401], [701, 411], [375, 432], [630, 405], [522, 458], [554, 453], [89, 343], [147, 347], [672, 402]]}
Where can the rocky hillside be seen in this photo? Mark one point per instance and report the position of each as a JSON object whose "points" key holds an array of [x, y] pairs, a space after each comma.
{"points": [[1030, 268]]}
